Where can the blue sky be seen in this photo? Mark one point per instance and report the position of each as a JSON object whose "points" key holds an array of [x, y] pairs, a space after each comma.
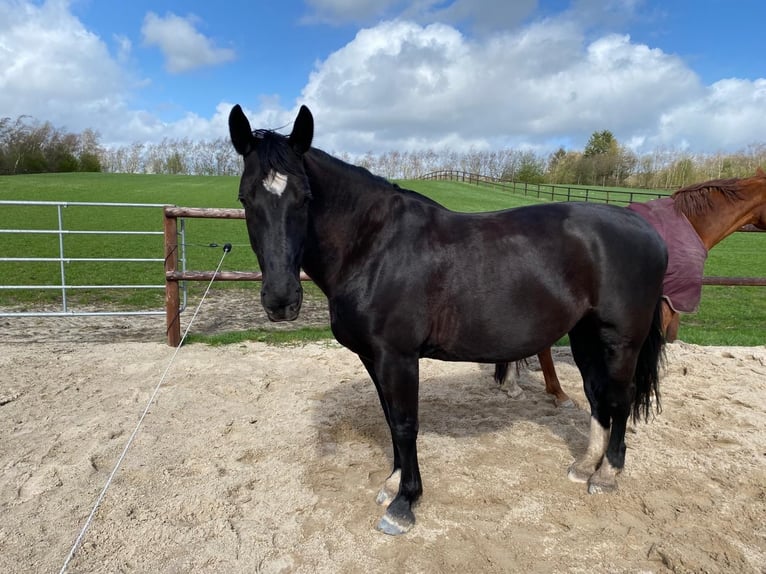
{"points": [[385, 75]]}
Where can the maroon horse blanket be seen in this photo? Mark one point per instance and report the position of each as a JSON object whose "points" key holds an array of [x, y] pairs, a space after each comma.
{"points": [[682, 286]]}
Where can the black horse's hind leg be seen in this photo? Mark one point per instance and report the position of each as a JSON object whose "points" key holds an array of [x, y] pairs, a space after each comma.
{"points": [[607, 370], [605, 477], [390, 487], [397, 380]]}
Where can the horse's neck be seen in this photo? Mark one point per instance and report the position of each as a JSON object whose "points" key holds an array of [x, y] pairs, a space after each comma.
{"points": [[338, 218], [723, 219]]}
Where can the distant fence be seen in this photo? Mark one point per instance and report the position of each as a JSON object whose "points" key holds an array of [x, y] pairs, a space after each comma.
{"points": [[550, 191], [557, 192]]}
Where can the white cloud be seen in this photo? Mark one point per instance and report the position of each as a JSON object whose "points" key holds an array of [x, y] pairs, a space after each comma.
{"points": [[183, 47], [728, 115], [533, 86], [52, 67], [401, 84]]}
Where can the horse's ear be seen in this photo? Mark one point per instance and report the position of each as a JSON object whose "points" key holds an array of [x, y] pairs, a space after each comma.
{"points": [[303, 131], [240, 132], [759, 172]]}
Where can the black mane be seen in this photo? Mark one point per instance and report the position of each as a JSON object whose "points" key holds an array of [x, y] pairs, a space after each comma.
{"points": [[368, 178]]}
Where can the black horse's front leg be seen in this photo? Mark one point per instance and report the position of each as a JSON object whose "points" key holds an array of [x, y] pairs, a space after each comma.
{"points": [[397, 382], [390, 487]]}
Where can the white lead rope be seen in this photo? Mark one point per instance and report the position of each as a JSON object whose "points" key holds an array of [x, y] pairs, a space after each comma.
{"points": [[226, 249]]}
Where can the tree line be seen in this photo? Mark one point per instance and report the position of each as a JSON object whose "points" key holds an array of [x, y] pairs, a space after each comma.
{"points": [[29, 146]]}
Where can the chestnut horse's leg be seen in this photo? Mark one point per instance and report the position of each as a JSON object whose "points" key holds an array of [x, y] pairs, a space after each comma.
{"points": [[552, 384], [670, 322]]}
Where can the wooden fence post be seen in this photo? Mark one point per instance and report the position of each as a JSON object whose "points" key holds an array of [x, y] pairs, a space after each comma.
{"points": [[172, 299]]}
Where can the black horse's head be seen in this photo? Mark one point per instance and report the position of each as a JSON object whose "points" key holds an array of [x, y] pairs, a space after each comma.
{"points": [[275, 193]]}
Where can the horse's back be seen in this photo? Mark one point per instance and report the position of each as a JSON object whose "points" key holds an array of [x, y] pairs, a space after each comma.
{"points": [[522, 278], [609, 251], [573, 239]]}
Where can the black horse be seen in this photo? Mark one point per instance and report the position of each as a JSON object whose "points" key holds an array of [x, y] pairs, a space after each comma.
{"points": [[406, 278]]}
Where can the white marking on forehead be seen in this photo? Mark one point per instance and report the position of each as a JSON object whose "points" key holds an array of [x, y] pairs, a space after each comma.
{"points": [[275, 183]]}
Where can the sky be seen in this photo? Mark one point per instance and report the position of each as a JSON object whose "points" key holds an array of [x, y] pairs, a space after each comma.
{"points": [[385, 75]]}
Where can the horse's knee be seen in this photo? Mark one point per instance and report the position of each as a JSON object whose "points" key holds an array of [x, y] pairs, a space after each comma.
{"points": [[404, 432]]}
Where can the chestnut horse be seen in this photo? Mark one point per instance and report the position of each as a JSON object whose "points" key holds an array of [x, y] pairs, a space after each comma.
{"points": [[715, 209], [406, 278]]}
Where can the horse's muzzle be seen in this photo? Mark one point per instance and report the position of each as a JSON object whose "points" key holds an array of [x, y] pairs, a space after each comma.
{"points": [[282, 308], [289, 313]]}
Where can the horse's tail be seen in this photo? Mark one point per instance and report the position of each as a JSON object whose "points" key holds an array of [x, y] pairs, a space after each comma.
{"points": [[650, 361], [501, 372]]}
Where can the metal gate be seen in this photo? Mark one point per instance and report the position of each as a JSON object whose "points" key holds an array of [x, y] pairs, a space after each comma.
{"points": [[61, 258]]}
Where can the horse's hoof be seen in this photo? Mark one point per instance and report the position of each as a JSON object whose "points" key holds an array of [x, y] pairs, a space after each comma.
{"points": [[601, 487], [398, 519], [514, 391], [604, 479], [389, 525], [566, 404]]}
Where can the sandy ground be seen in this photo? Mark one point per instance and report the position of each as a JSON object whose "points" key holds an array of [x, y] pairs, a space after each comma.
{"points": [[257, 458]]}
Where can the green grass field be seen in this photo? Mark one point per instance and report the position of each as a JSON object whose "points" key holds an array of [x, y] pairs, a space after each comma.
{"points": [[727, 316]]}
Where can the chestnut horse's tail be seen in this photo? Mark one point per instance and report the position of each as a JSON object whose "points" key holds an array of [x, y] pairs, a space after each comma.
{"points": [[650, 361]]}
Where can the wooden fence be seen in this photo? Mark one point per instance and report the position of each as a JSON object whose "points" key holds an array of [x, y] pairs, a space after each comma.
{"points": [[550, 191]]}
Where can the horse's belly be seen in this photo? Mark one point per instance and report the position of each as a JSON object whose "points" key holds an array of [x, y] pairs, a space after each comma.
{"points": [[499, 354], [486, 334]]}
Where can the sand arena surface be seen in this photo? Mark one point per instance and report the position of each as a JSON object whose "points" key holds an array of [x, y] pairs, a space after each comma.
{"points": [[257, 458]]}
